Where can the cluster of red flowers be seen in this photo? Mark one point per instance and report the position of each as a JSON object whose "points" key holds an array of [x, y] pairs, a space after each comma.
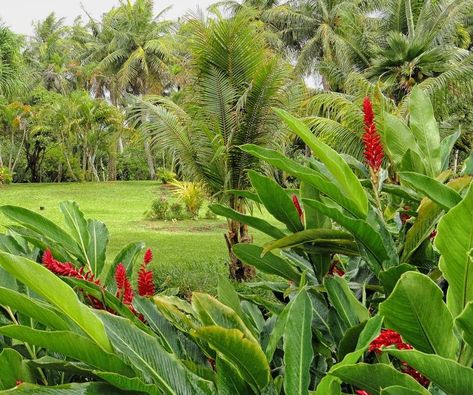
{"points": [[124, 292], [388, 338], [373, 153], [298, 207], [67, 269]]}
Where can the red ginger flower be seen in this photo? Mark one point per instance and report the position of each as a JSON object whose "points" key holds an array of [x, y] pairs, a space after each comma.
{"points": [[373, 152], [148, 256], [124, 290], [388, 338], [298, 207], [334, 269], [146, 285], [362, 392]]}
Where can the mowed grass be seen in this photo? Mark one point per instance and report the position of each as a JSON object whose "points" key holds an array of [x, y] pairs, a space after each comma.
{"points": [[188, 254]]}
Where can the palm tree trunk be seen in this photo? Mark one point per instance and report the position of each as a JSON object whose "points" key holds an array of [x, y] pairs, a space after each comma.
{"points": [[150, 160], [238, 233]]}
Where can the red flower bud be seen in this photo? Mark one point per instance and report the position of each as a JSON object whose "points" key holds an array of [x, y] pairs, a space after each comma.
{"points": [[373, 152], [298, 207], [148, 256]]}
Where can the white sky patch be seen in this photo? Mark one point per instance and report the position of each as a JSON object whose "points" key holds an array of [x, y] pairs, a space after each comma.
{"points": [[20, 14]]}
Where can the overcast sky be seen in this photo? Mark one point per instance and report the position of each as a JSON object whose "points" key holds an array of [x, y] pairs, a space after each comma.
{"points": [[19, 14]]}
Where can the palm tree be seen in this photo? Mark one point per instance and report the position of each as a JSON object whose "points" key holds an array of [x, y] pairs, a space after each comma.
{"points": [[11, 62], [234, 81], [132, 51]]}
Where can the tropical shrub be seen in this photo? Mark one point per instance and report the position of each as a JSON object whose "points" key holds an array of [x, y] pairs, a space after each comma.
{"points": [[165, 175], [192, 194], [159, 209]]}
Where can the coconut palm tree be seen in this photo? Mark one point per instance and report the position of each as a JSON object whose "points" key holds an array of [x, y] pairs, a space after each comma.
{"points": [[234, 81], [133, 55], [11, 62]]}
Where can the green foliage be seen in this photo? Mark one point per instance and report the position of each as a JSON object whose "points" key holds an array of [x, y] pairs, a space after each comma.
{"points": [[5, 176]]}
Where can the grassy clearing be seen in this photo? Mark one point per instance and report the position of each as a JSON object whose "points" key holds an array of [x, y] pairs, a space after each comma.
{"points": [[188, 254]]}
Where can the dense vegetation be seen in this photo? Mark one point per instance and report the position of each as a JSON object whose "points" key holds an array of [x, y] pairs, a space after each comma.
{"points": [[364, 284]]}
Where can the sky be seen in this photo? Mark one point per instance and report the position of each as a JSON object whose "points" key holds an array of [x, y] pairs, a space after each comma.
{"points": [[19, 14]]}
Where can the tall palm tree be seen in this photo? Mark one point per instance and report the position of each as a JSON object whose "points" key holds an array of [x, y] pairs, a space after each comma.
{"points": [[234, 81], [11, 62], [132, 50]]}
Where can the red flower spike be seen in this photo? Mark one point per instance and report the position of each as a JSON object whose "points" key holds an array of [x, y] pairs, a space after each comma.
{"points": [[388, 338], [361, 392], [422, 380], [146, 285], [120, 276], [298, 207], [373, 152], [124, 290], [148, 256]]}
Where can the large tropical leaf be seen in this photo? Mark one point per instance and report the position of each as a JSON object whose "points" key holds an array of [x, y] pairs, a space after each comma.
{"points": [[69, 344], [243, 354], [298, 352], [346, 180], [276, 201], [58, 293], [147, 356], [455, 242], [14, 368], [267, 263], [447, 374], [409, 309], [374, 378]]}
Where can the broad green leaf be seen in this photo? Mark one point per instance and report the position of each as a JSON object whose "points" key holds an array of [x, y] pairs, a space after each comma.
{"points": [[254, 222], [41, 225], [428, 214], [313, 219], [277, 333], [367, 236], [128, 383], [276, 201], [425, 129], [146, 355], [229, 382], [328, 240], [397, 137], [228, 296], [464, 321], [32, 308], [212, 312], [63, 365], [413, 161], [269, 263], [446, 146], [398, 390], [244, 355], [374, 378], [76, 222], [330, 385], [13, 368], [305, 174], [455, 242], [245, 194], [390, 277], [447, 374], [440, 193], [97, 247], [58, 293], [298, 352], [345, 178], [350, 310], [66, 389], [409, 309], [69, 344]]}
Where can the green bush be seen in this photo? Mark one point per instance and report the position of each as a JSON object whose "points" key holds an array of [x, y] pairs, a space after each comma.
{"points": [[5, 176], [165, 175], [159, 209]]}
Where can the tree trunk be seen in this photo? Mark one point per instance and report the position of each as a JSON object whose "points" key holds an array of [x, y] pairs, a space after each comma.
{"points": [[238, 233], [149, 159]]}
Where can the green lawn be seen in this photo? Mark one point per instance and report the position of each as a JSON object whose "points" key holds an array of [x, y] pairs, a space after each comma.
{"points": [[188, 254]]}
